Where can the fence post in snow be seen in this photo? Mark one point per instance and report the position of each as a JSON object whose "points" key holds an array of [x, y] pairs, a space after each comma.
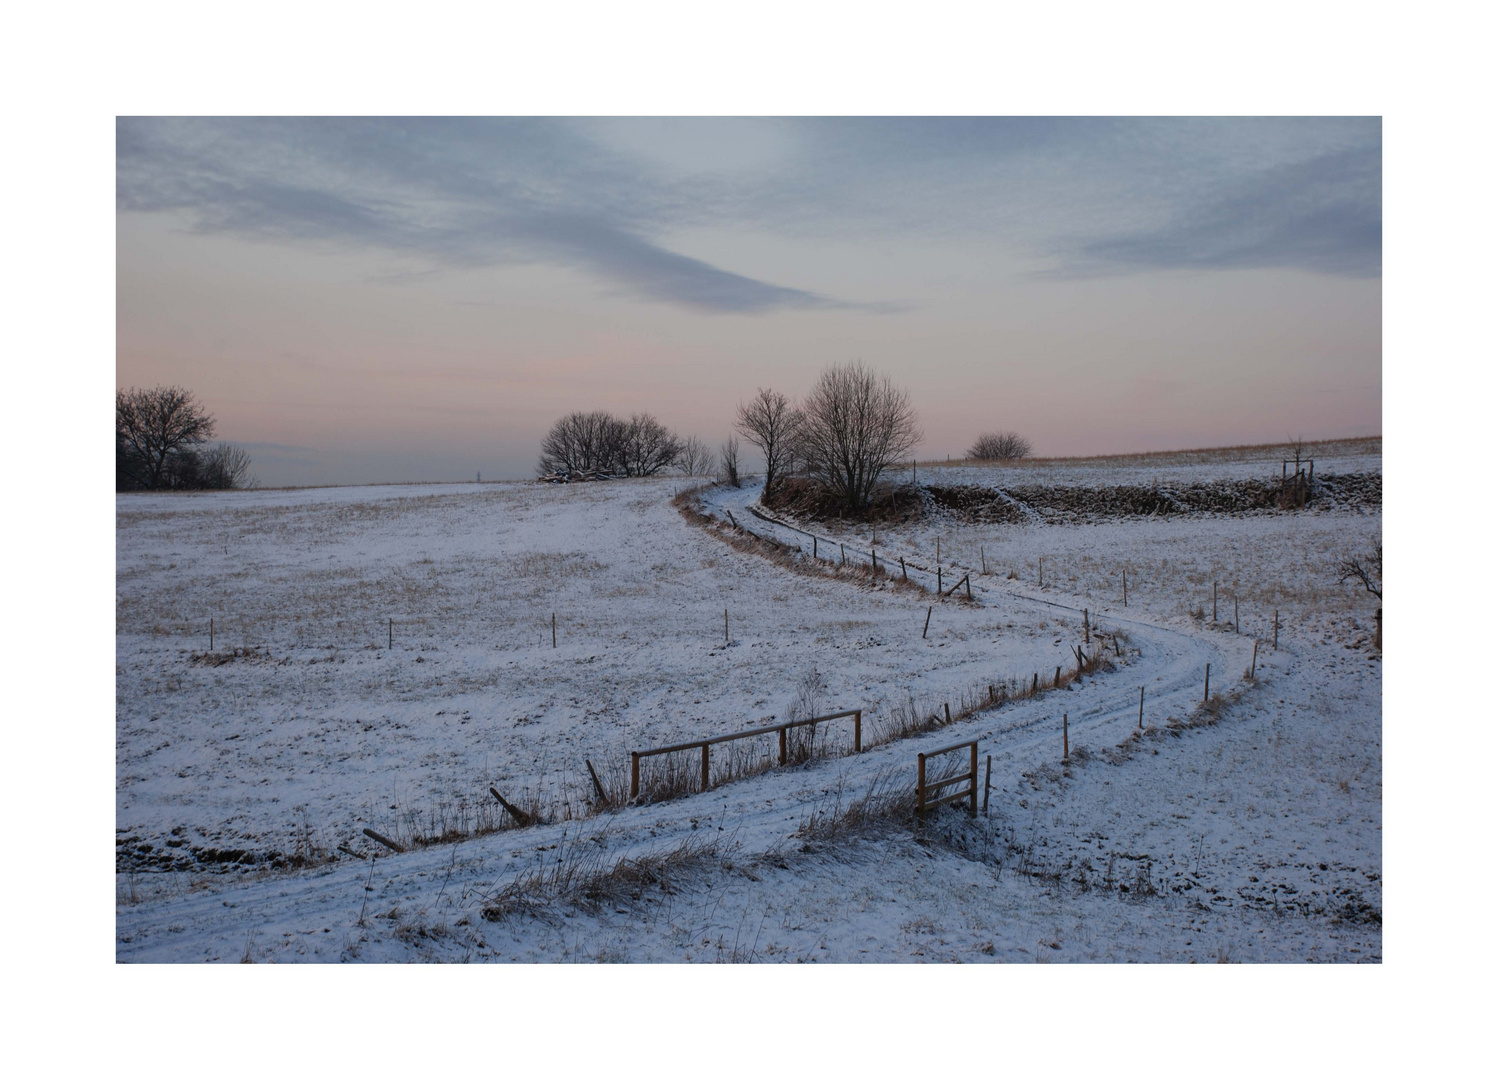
{"points": [[928, 624], [1065, 742], [1207, 683], [903, 576], [210, 634], [553, 629], [1126, 587], [1141, 708], [1254, 664], [1277, 628]]}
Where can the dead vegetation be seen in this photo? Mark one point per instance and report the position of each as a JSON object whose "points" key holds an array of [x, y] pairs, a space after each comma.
{"points": [[583, 874]]}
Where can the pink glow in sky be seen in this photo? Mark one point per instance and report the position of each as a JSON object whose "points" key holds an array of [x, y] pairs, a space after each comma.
{"points": [[368, 300]]}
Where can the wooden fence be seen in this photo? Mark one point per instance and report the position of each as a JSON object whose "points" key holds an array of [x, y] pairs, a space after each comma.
{"points": [[925, 792], [705, 744]]}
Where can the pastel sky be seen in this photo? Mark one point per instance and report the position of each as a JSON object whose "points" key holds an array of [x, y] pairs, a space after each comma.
{"points": [[371, 300]]}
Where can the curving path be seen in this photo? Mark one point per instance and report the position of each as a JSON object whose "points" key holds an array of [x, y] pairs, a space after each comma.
{"points": [[758, 814]]}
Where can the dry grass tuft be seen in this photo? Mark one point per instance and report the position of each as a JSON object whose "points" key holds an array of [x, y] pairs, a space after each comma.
{"points": [[581, 875]]}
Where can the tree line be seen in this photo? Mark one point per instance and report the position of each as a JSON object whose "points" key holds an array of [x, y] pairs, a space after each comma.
{"points": [[160, 438], [851, 427]]}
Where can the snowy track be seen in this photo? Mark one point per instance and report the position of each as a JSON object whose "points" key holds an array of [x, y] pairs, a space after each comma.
{"points": [[758, 814]]}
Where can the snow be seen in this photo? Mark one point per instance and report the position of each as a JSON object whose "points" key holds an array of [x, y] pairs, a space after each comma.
{"points": [[324, 730]]}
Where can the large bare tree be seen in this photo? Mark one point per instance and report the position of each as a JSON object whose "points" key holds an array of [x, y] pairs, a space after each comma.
{"points": [[855, 424], [151, 428], [647, 446], [770, 422], [586, 441], [583, 441]]}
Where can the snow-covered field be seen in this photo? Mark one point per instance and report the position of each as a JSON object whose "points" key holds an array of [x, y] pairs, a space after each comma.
{"points": [[241, 771]]}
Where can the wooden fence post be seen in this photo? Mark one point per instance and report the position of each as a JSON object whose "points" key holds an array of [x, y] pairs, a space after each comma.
{"points": [[598, 787], [902, 569], [948, 710], [813, 547], [1141, 708], [967, 580], [725, 627], [1086, 628], [1378, 628], [210, 633], [1042, 571], [987, 781], [1207, 683], [782, 746], [843, 554], [1126, 587], [920, 786], [928, 624], [857, 730], [972, 806], [634, 774], [1235, 615], [1214, 601], [553, 629], [704, 766], [391, 631], [1253, 666], [1065, 742], [982, 559], [1057, 683], [938, 579]]}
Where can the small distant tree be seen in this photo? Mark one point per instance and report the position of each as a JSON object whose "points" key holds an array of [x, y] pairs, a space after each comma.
{"points": [[855, 424], [728, 462], [1000, 446], [771, 422], [225, 466], [695, 458], [153, 429], [1367, 570]]}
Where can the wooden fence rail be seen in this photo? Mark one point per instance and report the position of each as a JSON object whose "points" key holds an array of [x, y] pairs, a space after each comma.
{"points": [[923, 789], [704, 744]]}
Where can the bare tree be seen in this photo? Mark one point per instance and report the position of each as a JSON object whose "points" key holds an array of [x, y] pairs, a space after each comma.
{"points": [[695, 458], [1366, 569], [855, 425], [646, 446], [583, 441], [770, 422], [226, 466], [1000, 446], [728, 462], [151, 428]]}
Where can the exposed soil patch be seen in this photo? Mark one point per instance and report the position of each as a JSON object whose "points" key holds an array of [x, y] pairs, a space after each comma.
{"points": [[803, 498], [1022, 503]]}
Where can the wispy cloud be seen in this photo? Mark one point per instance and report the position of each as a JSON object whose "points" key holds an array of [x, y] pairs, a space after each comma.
{"points": [[1086, 196], [1323, 215]]}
